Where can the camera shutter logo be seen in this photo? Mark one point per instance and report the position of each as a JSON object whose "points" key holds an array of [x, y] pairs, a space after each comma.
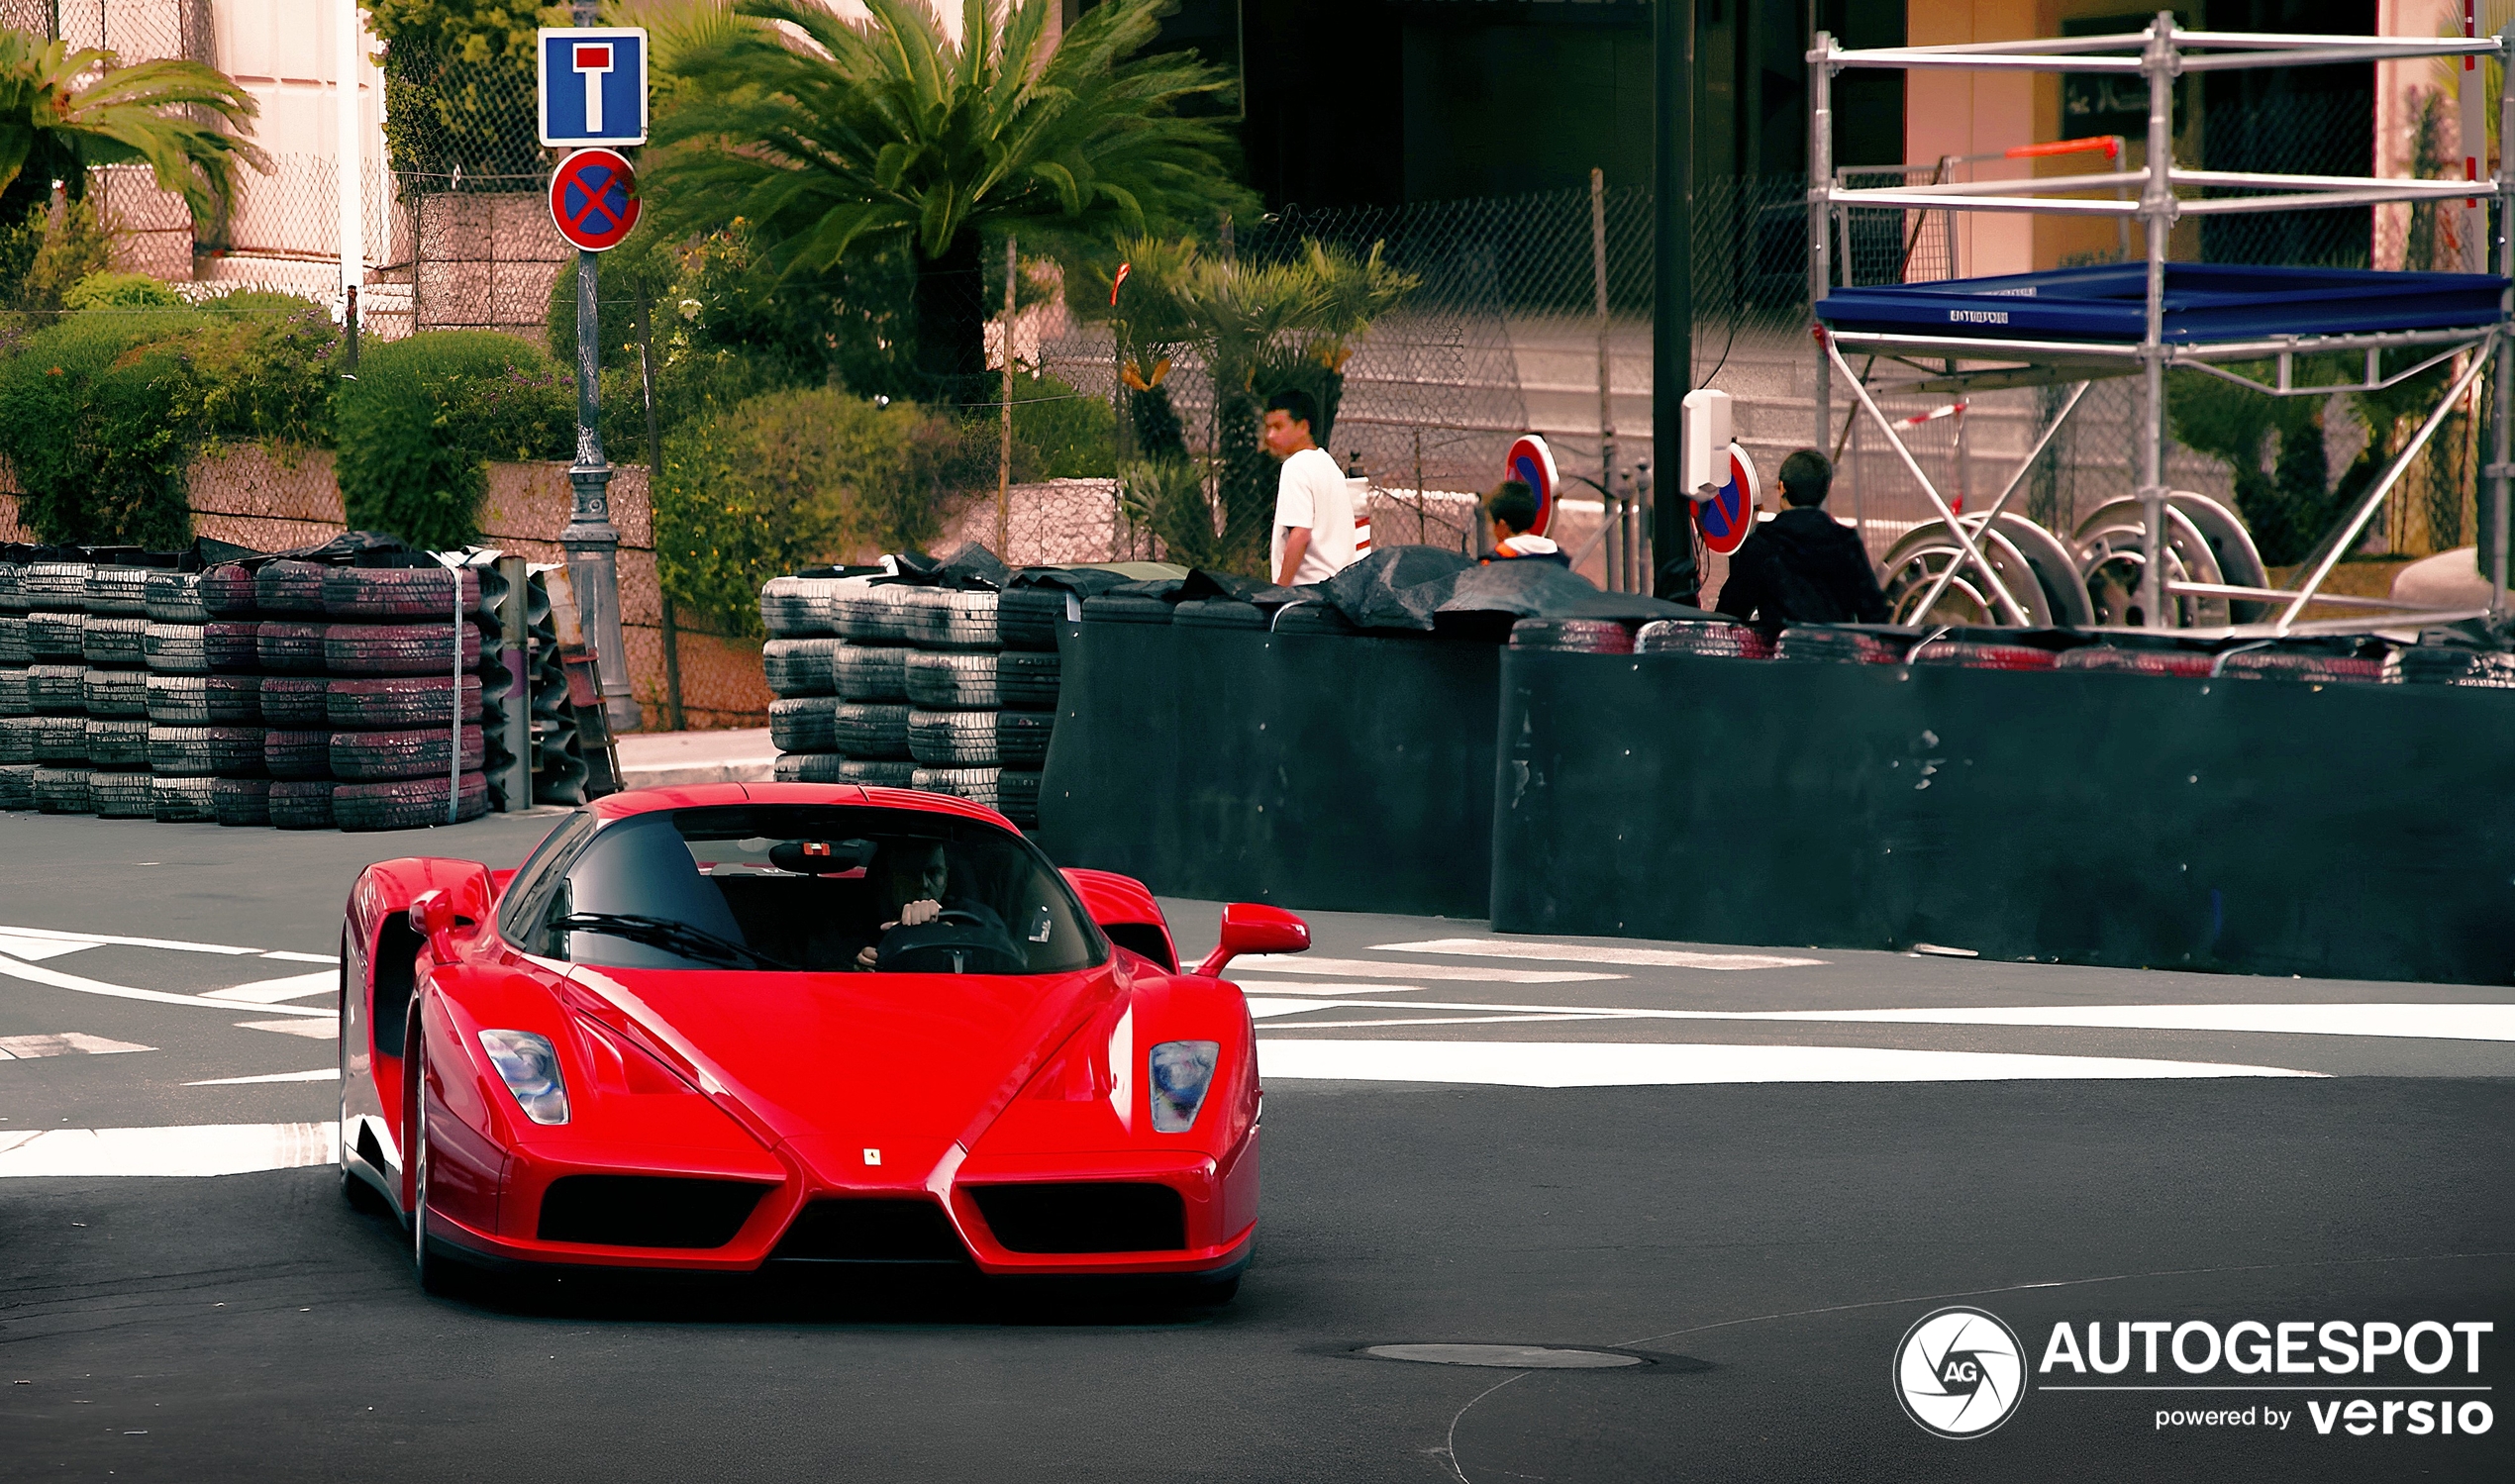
{"points": [[1959, 1372]]}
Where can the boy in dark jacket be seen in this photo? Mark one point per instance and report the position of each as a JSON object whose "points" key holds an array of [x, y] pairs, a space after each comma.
{"points": [[1512, 508], [1803, 567]]}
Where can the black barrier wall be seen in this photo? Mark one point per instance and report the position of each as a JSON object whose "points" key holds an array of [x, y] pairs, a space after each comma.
{"points": [[2255, 826], [1312, 770]]}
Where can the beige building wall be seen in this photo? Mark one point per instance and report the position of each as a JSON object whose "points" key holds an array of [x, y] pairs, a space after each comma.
{"points": [[283, 53]]}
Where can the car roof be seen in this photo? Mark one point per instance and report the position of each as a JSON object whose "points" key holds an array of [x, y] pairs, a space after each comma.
{"points": [[703, 795]]}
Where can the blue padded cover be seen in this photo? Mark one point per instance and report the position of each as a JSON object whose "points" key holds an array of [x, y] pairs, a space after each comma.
{"points": [[2204, 302]]}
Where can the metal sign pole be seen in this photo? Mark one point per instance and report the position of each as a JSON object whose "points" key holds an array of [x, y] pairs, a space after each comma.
{"points": [[592, 543], [2505, 350], [2156, 207], [1675, 575]]}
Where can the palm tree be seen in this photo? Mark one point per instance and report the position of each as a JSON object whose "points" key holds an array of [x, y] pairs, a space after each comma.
{"points": [[63, 110], [835, 138]]}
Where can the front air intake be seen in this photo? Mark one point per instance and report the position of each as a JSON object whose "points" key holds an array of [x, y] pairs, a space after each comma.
{"points": [[871, 1229], [647, 1211], [1098, 1216]]}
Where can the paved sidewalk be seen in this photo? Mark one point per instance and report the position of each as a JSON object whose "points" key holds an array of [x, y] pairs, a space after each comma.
{"points": [[660, 758]]}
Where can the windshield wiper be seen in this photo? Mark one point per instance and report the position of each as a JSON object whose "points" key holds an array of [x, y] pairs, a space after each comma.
{"points": [[671, 937]]}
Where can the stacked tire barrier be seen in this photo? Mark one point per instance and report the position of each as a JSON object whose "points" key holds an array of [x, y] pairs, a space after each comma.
{"points": [[401, 700], [114, 691], [559, 760], [801, 661], [55, 595]]}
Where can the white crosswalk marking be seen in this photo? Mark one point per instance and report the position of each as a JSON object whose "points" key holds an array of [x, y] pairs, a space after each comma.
{"points": [[31, 949], [326, 1029], [66, 1044], [319, 1074], [92, 938], [273, 991], [1372, 969], [1574, 952], [1623, 1064], [198, 1149]]}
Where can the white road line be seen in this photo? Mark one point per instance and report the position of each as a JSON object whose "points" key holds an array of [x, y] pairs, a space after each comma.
{"points": [[2429, 1022], [1281, 987], [177, 945], [284, 957], [327, 1029], [1372, 969], [1613, 1064], [36, 949], [273, 991], [1571, 952], [68, 1043], [54, 978], [197, 1150], [319, 1074], [1436, 1019]]}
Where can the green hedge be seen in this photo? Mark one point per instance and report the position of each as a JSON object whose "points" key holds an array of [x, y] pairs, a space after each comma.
{"points": [[101, 411], [415, 430], [793, 479]]}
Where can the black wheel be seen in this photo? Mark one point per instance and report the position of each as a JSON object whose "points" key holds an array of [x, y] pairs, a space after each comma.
{"points": [[428, 1267]]}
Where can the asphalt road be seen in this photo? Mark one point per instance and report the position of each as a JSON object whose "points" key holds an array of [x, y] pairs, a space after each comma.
{"points": [[1753, 1175]]}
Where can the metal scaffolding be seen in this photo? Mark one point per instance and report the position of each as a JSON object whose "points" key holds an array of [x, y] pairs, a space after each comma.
{"points": [[2165, 51]]}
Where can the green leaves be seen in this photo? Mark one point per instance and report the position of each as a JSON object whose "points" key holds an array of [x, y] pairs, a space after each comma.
{"points": [[416, 428], [108, 113]]}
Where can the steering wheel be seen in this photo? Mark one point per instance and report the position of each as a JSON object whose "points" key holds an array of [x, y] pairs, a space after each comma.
{"points": [[959, 917], [953, 940]]}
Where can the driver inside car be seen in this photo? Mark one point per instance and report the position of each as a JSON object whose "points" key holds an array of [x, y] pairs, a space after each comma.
{"points": [[915, 874]]}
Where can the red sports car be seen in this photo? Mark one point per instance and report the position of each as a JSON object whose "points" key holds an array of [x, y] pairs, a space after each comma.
{"points": [[718, 1027]]}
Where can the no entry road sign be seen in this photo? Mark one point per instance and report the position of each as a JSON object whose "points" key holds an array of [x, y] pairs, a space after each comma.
{"points": [[1730, 514], [593, 85], [594, 199], [1532, 464]]}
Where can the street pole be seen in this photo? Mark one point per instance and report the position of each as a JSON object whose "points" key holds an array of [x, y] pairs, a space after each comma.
{"points": [[591, 541], [350, 169], [1004, 414], [1613, 517], [1673, 288]]}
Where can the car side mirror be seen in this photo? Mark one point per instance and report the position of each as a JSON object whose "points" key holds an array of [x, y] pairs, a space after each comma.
{"points": [[432, 917], [1254, 928]]}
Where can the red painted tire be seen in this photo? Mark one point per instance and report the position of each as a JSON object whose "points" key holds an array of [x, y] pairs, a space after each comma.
{"points": [[406, 804], [415, 752], [302, 803], [2190, 663], [297, 756], [399, 592], [400, 701], [241, 801], [297, 701], [1967, 655], [401, 649], [233, 646], [227, 591], [291, 647], [290, 587]]}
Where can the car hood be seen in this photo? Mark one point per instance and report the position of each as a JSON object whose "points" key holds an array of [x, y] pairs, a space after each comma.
{"points": [[849, 1069]]}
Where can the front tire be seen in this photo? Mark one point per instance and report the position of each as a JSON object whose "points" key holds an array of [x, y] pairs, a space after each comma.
{"points": [[431, 1270]]}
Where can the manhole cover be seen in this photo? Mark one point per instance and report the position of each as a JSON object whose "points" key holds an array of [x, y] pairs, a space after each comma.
{"points": [[1504, 1357]]}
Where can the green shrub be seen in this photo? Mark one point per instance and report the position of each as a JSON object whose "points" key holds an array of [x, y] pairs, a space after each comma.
{"points": [[793, 479], [113, 290], [91, 420], [262, 369], [38, 263], [416, 428], [1070, 435]]}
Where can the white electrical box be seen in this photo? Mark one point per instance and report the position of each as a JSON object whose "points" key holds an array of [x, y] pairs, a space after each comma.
{"points": [[1705, 440]]}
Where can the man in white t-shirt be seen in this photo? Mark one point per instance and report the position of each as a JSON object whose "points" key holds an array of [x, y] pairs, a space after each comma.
{"points": [[1314, 510]]}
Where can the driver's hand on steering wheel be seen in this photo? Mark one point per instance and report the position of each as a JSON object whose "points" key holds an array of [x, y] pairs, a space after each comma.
{"points": [[913, 915]]}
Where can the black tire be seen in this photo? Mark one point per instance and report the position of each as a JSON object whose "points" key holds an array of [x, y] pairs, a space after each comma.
{"points": [[236, 700], [977, 785], [1126, 608], [803, 724], [1814, 641], [406, 803], [299, 701], [799, 666], [1219, 613], [1026, 618], [61, 790], [12, 592], [57, 689], [227, 592], [206, 752], [13, 692], [290, 587], [174, 598], [114, 642], [950, 618], [2433, 664], [182, 801], [945, 681], [241, 801], [16, 739], [867, 731], [53, 636], [1017, 796], [60, 585], [12, 651], [390, 593], [17, 785], [809, 767], [233, 646], [1691, 637], [1027, 680], [878, 772], [122, 793], [177, 649], [401, 649], [1021, 738], [400, 701], [297, 756], [867, 672], [953, 738], [61, 741], [118, 590], [873, 614], [301, 804], [1576, 635], [2314, 667], [415, 752], [114, 693], [796, 607], [114, 742], [290, 647]]}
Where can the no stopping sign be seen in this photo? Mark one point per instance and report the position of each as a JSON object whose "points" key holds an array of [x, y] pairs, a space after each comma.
{"points": [[594, 199]]}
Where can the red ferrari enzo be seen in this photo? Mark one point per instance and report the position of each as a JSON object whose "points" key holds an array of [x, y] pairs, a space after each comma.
{"points": [[719, 1026]]}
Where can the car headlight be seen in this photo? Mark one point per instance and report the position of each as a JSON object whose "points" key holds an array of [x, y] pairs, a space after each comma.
{"points": [[1182, 1070], [530, 1069]]}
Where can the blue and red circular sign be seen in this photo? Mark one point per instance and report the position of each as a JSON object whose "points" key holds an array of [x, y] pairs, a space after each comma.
{"points": [[594, 199], [1532, 464], [1730, 514]]}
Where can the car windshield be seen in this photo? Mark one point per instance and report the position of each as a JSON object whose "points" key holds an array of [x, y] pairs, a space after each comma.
{"points": [[813, 889]]}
